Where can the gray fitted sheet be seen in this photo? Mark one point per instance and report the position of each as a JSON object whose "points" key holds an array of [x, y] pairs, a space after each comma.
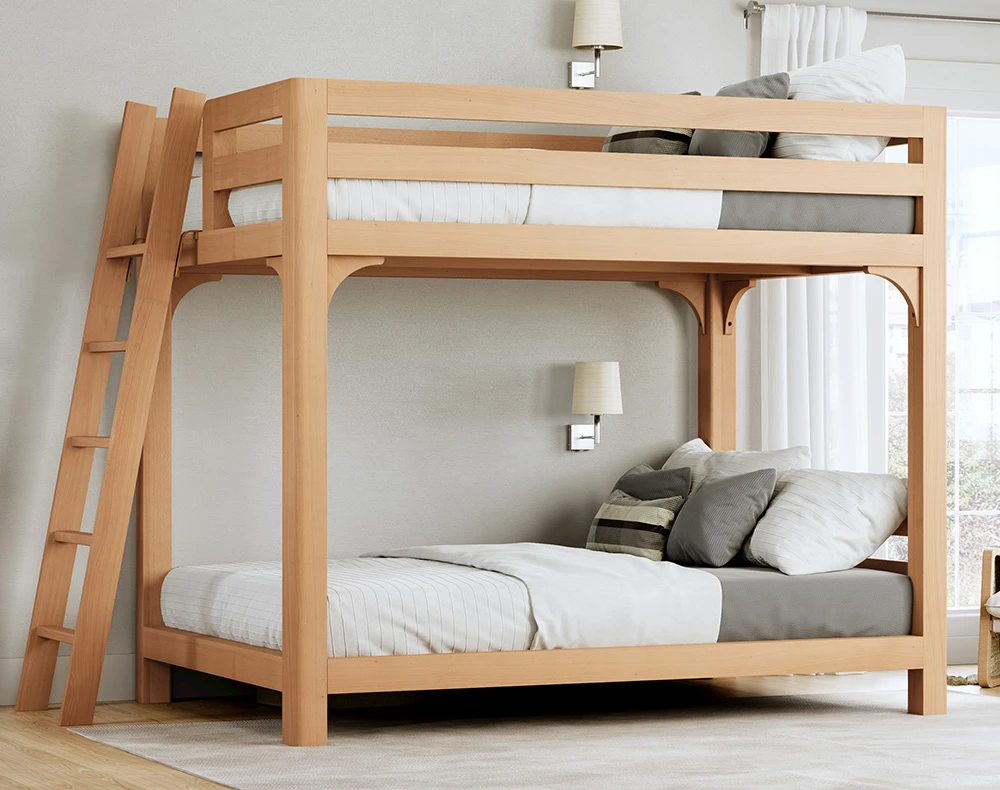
{"points": [[763, 603], [825, 213]]}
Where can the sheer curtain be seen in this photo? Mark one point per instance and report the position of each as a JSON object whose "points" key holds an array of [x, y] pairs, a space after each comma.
{"points": [[813, 347]]}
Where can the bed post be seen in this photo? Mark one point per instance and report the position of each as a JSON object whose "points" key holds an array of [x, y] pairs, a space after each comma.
{"points": [[927, 361], [717, 372], [153, 513], [304, 304]]}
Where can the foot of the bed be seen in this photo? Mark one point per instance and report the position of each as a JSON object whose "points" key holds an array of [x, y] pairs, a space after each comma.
{"points": [[928, 691]]}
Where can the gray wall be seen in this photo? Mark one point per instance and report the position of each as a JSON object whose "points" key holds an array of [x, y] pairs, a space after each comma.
{"points": [[448, 399]]}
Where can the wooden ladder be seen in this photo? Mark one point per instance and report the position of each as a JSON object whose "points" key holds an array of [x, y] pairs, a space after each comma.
{"points": [[137, 159]]}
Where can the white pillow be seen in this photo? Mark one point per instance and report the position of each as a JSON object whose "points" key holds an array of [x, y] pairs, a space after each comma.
{"points": [[993, 604], [820, 521], [704, 461], [876, 76]]}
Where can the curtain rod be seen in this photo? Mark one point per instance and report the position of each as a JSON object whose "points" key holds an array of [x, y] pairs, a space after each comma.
{"points": [[753, 8]]}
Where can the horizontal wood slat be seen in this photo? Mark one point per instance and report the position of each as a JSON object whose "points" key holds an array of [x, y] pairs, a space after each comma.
{"points": [[255, 665], [262, 135], [427, 163], [106, 346], [892, 566], [600, 665], [555, 244], [263, 103], [73, 536], [57, 633], [90, 441], [127, 251], [446, 163], [598, 108]]}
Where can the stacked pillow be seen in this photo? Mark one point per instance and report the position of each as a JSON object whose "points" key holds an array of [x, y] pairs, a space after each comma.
{"points": [[874, 76], [703, 507]]}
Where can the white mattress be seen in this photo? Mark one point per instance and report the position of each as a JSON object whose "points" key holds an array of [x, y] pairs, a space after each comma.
{"points": [[376, 606], [510, 204]]}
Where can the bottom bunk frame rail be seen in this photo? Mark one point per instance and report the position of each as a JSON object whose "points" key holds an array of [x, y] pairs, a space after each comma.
{"points": [[262, 667]]}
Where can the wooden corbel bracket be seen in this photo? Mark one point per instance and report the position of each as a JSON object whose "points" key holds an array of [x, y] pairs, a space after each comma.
{"points": [[732, 292], [187, 281], [693, 292], [907, 282], [339, 268]]}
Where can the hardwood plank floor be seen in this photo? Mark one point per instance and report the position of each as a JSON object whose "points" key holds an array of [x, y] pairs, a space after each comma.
{"points": [[35, 753]]}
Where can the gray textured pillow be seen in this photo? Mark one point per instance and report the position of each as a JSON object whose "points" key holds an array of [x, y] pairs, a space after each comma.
{"points": [[718, 142], [644, 482], [718, 517], [636, 140]]}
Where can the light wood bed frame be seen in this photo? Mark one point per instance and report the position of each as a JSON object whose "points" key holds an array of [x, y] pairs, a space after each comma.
{"points": [[710, 269]]}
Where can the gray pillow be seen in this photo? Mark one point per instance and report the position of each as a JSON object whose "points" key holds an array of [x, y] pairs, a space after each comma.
{"points": [[644, 482], [718, 517], [718, 142], [636, 140]]}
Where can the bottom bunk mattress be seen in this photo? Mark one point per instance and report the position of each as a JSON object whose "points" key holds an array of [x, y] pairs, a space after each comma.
{"points": [[381, 606]]}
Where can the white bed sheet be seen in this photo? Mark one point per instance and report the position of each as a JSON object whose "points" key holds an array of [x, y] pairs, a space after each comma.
{"points": [[376, 606], [509, 204]]}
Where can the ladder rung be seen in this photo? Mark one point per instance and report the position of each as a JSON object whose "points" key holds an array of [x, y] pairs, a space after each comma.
{"points": [[56, 632], [90, 441], [73, 536], [128, 251], [106, 346]]}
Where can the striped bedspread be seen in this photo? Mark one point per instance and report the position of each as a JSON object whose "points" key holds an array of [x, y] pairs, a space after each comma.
{"points": [[451, 599], [377, 607]]}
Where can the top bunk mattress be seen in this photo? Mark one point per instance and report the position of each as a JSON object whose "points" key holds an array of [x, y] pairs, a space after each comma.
{"points": [[380, 606], [541, 204]]}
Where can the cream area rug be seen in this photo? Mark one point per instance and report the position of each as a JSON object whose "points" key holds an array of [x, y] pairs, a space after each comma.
{"points": [[698, 741]]}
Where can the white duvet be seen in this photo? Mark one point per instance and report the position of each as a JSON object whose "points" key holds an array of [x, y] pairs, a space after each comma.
{"points": [[582, 598], [459, 599]]}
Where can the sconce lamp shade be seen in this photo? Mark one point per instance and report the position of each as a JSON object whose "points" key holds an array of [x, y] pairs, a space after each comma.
{"points": [[597, 23], [597, 388]]}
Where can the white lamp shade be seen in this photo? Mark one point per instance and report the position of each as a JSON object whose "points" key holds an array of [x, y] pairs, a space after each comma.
{"points": [[597, 388], [597, 23]]}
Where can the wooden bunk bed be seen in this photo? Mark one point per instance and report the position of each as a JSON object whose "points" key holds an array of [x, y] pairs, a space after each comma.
{"points": [[710, 269]]}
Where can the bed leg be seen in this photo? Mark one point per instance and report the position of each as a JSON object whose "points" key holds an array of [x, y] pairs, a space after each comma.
{"points": [[304, 305]]}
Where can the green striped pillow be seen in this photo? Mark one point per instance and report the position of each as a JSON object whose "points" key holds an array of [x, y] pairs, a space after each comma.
{"points": [[626, 525]]}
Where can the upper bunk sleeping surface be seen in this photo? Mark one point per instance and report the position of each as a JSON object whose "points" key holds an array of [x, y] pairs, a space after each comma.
{"points": [[421, 199]]}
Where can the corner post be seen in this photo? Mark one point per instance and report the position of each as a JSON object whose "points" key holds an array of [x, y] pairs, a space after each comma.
{"points": [[717, 372], [926, 427], [304, 303]]}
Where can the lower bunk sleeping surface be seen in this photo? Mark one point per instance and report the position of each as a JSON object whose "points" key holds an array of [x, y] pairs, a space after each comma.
{"points": [[403, 605], [540, 204]]}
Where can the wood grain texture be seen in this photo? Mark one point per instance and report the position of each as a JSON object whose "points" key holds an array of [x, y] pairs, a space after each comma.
{"points": [[86, 404], [692, 291], [600, 108], [128, 426], [304, 304], [926, 427], [716, 372]]}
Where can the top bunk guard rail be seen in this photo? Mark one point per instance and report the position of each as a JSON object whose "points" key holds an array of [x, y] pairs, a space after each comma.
{"points": [[242, 150]]}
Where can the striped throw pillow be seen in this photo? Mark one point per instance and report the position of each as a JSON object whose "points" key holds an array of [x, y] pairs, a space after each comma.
{"points": [[626, 525]]}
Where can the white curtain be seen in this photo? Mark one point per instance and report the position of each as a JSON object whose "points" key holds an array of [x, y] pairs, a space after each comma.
{"points": [[811, 346]]}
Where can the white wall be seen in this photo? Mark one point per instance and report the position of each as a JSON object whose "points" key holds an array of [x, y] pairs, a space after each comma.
{"points": [[447, 398]]}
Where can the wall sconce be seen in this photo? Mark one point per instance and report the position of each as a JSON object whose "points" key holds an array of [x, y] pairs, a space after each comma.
{"points": [[597, 25], [597, 390]]}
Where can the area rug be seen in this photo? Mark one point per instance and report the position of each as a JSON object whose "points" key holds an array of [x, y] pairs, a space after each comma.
{"points": [[830, 742]]}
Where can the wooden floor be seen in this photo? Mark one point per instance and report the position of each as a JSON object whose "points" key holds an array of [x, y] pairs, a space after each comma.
{"points": [[36, 753]]}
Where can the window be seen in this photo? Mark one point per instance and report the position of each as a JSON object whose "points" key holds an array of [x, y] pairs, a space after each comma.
{"points": [[973, 373]]}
